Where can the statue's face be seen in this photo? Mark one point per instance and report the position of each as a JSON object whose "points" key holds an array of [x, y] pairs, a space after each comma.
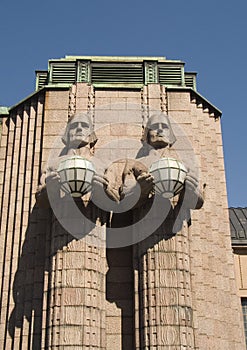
{"points": [[159, 134], [78, 133]]}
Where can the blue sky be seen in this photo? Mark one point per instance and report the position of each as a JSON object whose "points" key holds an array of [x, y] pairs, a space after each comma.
{"points": [[209, 36]]}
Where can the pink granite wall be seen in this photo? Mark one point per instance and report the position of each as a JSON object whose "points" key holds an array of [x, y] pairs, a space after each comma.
{"points": [[58, 292]]}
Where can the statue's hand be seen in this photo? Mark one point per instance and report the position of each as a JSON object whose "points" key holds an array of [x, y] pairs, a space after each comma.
{"points": [[52, 180], [145, 180], [99, 180], [191, 183], [101, 187], [49, 183], [193, 197]]}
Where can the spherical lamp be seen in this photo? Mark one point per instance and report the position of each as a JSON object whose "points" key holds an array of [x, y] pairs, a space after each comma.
{"points": [[169, 176], [76, 174]]}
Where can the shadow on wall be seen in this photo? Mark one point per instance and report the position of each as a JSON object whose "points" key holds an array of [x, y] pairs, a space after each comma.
{"points": [[32, 282], [121, 286], [30, 321]]}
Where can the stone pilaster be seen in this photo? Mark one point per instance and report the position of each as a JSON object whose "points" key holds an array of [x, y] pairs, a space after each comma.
{"points": [[163, 293]]}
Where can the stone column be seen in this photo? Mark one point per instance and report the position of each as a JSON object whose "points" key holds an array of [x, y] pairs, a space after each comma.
{"points": [[163, 292], [77, 290]]}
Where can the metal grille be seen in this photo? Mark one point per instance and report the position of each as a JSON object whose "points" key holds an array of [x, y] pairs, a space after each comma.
{"points": [[190, 80], [117, 73], [170, 75], [63, 72], [41, 79]]}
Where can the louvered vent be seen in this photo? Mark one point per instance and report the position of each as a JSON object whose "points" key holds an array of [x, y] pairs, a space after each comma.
{"points": [[41, 79], [190, 80], [117, 73], [170, 74], [62, 72]]}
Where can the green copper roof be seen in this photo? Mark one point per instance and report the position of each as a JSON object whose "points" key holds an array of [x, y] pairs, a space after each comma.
{"points": [[118, 72], [115, 71], [4, 110], [116, 58]]}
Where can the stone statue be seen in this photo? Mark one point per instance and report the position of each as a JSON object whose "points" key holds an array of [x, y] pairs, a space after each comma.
{"points": [[79, 139], [130, 178], [158, 140]]}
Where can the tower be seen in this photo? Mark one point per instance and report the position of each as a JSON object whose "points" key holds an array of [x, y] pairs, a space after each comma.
{"points": [[158, 289]]}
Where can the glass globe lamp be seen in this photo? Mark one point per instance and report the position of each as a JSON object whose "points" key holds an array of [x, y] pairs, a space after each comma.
{"points": [[169, 176], [76, 174]]}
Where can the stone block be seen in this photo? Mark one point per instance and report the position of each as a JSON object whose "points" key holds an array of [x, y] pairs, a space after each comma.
{"points": [[73, 260], [82, 90], [57, 100], [118, 129], [154, 91], [154, 105], [82, 105], [113, 342], [119, 103], [129, 93], [113, 325], [134, 130], [178, 101], [54, 128], [71, 335], [54, 115], [133, 103], [105, 93], [74, 315]]}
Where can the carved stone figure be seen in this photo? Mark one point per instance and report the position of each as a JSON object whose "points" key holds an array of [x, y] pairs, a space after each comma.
{"points": [[79, 138], [129, 178], [158, 141]]}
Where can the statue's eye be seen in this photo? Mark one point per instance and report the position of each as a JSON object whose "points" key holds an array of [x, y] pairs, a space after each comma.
{"points": [[85, 125], [164, 126], [73, 125], [154, 126]]}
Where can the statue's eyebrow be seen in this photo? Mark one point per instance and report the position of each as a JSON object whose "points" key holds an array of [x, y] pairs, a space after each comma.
{"points": [[155, 125], [83, 124]]}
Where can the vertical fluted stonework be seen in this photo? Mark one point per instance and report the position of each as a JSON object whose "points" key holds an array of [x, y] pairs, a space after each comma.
{"points": [[163, 293], [77, 290], [21, 235], [163, 305]]}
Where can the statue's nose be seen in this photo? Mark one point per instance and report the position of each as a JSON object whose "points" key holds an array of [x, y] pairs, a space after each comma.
{"points": [[160, 129]]}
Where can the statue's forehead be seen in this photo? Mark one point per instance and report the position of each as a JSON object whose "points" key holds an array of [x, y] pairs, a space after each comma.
{"points": [[158, 119], [81, 118]]}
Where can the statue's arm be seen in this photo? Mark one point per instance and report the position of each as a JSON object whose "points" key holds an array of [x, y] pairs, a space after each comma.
{"points": [[192, 195], [49, 182], [137, 181]]}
